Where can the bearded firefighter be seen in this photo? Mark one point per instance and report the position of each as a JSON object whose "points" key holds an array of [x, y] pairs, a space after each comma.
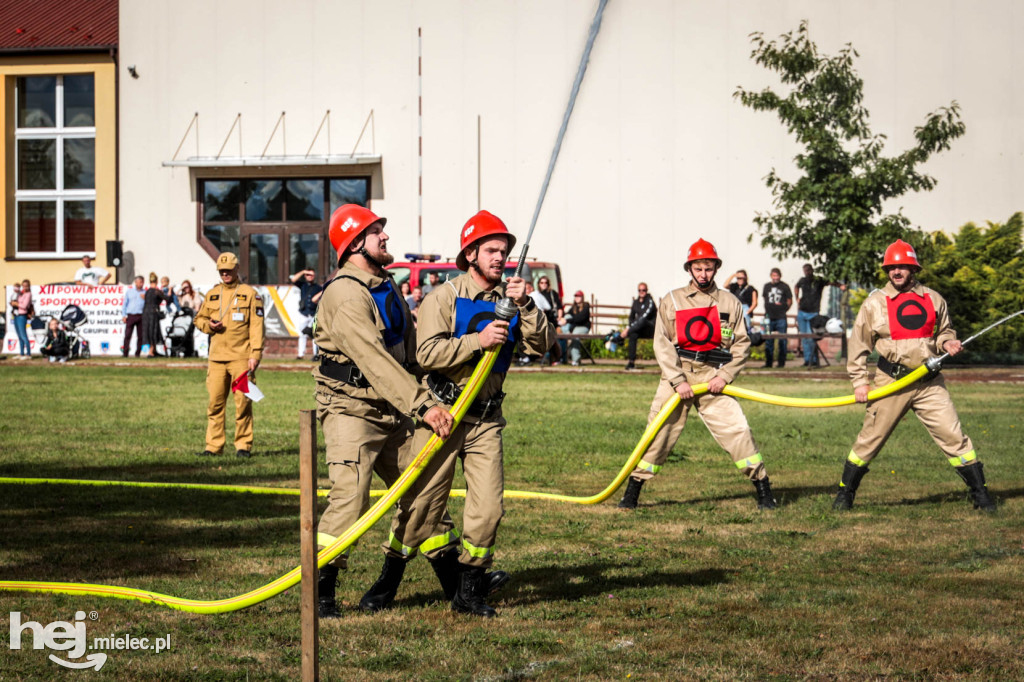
{"points": [[700, 336], [907, 323], [457, 322]]}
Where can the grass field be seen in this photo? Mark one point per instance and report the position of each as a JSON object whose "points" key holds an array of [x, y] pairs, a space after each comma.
{"points": [[695, 585]]}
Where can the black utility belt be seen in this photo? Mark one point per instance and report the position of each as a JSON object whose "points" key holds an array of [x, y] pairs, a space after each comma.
{"points": [[716, 357], [893, 369], [447, 391], [346, 374]]}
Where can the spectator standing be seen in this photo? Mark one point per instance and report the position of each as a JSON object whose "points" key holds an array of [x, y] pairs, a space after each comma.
{"points": [[309, 296], [406, 289], [433, 280], [742, 289], [641, 322], [232, 315], [56, 346], [808, 306], [151, 315], [90, 275], [778, 298], [131, 315], [414, 301], [189, 297], [551, 312], [576, 320], [23, 309]]}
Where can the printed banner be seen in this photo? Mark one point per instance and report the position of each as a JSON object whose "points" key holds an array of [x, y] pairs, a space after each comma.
{"points": [[104, 328]]}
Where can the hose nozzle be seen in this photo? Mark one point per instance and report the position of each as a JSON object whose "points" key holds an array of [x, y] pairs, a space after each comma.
{"points": [[506, 309], [934, 365]]}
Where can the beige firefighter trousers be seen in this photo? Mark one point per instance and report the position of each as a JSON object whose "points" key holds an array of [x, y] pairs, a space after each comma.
{"points": [[219, 377], [722, 415], [356, 448], [420, 511], [930, 401]]}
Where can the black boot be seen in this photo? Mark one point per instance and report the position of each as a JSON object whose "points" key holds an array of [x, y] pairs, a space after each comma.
{"points": [[470, 596], [632, 495], [764, 494], [447, 568], [848, 485], [325, 591], [383, 592], [974, 477]]}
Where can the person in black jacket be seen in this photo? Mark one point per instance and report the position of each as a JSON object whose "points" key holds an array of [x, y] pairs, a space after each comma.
{"points": [[641, 322], [56, 346], [552, 312], [575, 320]]}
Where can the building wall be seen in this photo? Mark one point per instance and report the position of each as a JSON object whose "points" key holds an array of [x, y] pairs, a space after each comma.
{"points": [[658, 152], [47, 270]]}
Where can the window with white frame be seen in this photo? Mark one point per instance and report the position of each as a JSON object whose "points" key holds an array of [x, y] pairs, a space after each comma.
{"points": [[55, 165]]}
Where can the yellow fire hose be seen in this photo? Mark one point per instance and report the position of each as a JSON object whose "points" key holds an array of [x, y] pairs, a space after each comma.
{"points": [[391, 496], [292, 577]]}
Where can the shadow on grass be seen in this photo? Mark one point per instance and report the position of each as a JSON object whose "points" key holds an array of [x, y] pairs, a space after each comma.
{"points": [[572, 582], [784, 496], [90, 534]]}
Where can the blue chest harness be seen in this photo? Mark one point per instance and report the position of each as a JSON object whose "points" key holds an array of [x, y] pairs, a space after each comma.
{"points": [[390, 308], [472, 316]]}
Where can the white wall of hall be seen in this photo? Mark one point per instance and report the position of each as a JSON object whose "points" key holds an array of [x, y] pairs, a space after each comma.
{"points": [[658, 152]]}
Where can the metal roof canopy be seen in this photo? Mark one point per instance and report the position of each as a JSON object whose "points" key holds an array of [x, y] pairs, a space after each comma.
{"points": [[277, 161]]}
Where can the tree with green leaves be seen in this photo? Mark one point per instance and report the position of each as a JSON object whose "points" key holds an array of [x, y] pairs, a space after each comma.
{"points": [[832, 215], [980, 272]]}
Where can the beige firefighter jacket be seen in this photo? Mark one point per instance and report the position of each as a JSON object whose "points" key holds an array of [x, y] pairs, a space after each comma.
{"points": [[734, 331], [455, 357], [871, 330], [240, 308], [349, 329]]}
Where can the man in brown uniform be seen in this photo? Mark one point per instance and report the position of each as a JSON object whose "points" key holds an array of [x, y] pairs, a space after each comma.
{"points": [[908, 323], [369, 400], [700, 337], [457, 322], [232, 315]]}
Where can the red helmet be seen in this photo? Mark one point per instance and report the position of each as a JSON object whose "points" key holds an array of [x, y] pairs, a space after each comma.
{"points": [[702, 250], [483, 224], [348, 222], [900, 253]]}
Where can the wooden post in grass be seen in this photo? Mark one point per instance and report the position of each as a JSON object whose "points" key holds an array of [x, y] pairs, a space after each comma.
{"points": [[307, 546]]}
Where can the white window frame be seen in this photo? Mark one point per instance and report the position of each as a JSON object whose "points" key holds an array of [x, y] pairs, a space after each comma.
{"points": [[59, 195]]}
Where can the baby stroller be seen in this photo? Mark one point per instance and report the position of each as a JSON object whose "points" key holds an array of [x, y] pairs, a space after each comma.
{"points": [[72, 318], [179, 341]]}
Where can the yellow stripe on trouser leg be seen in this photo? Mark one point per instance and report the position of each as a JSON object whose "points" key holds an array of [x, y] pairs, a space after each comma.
{"points": [[647, 466], [750, 462], [436, 542], [477, 552], [396, 545], [854, 459], [964, 459]]}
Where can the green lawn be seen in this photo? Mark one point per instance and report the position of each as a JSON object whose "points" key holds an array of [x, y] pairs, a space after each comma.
{"points": [[696, 584]]}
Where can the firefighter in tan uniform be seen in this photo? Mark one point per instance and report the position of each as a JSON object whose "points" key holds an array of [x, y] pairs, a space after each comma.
{"points": [[232, 315], [907, 323], [456, 323], [700, 337], [369, 399]]}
